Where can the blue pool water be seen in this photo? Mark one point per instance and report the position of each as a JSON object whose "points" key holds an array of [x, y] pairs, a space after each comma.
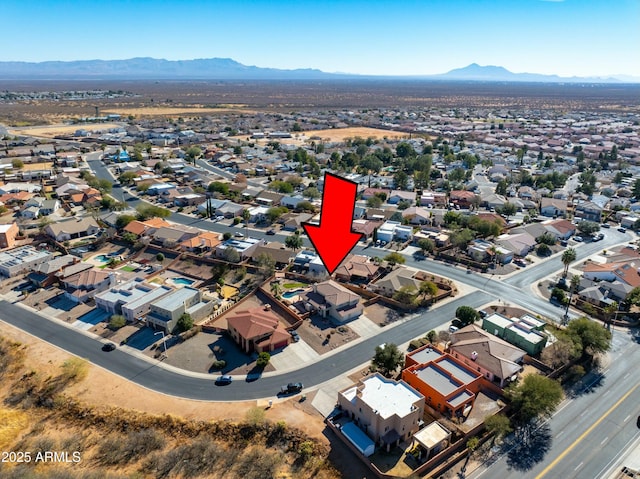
{"points": [[183, 281], [291, 294], [102, 258]]}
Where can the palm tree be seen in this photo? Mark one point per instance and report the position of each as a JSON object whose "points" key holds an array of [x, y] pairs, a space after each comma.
{"points": [[246, 215], [575, 282], [568, 257], [294, 241], [609, 311], [276, 289]]}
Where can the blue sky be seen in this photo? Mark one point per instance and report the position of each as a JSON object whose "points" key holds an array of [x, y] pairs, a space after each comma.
{"points": [[400, 37]]}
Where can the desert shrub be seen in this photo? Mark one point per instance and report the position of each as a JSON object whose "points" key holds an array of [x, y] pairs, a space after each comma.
{"points": [[75, 369], [117, 321], [218, 364], [255, 415], [257, 464]]}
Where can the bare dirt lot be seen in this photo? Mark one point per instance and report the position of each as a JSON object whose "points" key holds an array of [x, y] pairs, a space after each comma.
{"points": [[104, 389], [176, 111], [51, 131]]}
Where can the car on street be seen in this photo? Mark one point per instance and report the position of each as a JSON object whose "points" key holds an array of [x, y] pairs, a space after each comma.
{"points": [[598, 237], [271, 232], [291, 388], [238, 234], [578, 239], [605, 225], [108, 347], [622, 229], [224, 379]]}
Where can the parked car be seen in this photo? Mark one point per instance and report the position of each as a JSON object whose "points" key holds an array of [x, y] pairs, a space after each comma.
{"points": [[453, 329], [482, 313], [564, 242], [271, 232], [294, 334], [108, 347], [578, 239], [238, 234], [291, 388], [622, 229], [598, 237], [605, 226], [224, 379]]}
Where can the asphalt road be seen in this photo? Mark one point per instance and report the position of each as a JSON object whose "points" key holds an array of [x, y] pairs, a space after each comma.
{"points": [[149, 375], [589, 432]]}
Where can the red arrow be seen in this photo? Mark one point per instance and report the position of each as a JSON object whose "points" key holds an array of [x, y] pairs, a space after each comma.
{"points": [[333, 238]]}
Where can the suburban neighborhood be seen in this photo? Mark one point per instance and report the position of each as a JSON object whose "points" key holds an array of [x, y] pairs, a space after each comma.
{"points": [[498, 261]]}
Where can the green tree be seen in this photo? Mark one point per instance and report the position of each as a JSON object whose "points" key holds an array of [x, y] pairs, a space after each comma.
{"points": [[428, 288], [275, 212], [160, 257], [130, 238], [498, 425], [394, 258], [543, 250], [406, 294], [588, 227], [387, 359], [535, 396], [593, 338], [185, 322], [263, 359], [312, 193], [568, 257], [231, 255], [17, 163], [147, 211], [276, 289], [266, 264], [374, 202], [467, 315], [293, 241], [192, 153], [508, 209], [218, 187], [426, 245]]}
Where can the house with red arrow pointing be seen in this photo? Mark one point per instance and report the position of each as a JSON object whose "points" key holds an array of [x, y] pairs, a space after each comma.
{"points": [[330, 299]]}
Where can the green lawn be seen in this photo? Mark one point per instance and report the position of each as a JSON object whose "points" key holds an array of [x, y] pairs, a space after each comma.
{"points": [[130, 269], [294, 285]]}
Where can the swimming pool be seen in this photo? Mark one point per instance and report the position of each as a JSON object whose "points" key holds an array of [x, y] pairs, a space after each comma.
{"points": [[102, 258], [291, 294], [183, 281]]}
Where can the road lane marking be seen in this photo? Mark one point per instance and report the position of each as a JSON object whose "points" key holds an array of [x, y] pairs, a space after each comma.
{"points": [[627, 418], [584, 412], [605, 393], [626, 376], [586, 433], [604, 440], [578, 466]]}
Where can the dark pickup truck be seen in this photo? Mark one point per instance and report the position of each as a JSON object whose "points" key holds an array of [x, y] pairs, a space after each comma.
{"points": [[291, 388]]}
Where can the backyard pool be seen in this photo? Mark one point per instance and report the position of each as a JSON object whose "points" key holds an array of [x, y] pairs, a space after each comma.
{"points": [[183, 281], [292, 294], [102, 258]]}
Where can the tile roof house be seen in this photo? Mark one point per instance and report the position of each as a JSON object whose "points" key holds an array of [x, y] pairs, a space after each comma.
{"points": [[365, 227], [279, 252], [396, 279], [561, 229], [357, 268], [171, 236], [417, 215], [553, 207], [257, 330], [83, 286], [330, 299], [72, 229], [45, 274], [520, 244], [204, 241], [495, 358], [145, 228]]}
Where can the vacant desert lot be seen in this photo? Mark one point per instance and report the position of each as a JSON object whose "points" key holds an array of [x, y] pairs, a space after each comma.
{"points": [[49, 131], [335, 135], [177, 111]]}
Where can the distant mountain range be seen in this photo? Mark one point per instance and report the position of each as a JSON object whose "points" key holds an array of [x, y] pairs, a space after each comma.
{"points": [[228, 69]]}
